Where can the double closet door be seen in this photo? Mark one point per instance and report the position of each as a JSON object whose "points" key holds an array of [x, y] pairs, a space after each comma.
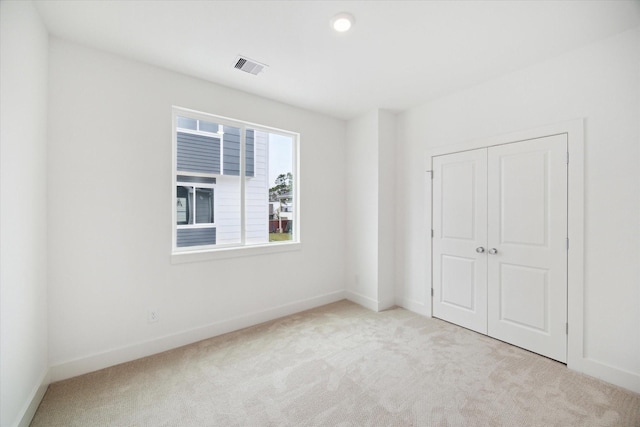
{"points": [[500, 242]]}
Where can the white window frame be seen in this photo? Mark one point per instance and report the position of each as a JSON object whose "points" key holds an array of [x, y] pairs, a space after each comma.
{"points": [[211, 252]]}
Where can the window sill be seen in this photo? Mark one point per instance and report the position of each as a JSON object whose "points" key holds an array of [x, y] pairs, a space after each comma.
{"points": [[233, 252]]}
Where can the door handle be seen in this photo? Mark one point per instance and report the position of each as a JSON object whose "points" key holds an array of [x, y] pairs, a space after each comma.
{"points": [[480, 249], [493, 251]]}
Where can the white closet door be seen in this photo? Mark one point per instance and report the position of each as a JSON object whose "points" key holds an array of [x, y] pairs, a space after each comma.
{"points": [[527, 228], [460, 228]]}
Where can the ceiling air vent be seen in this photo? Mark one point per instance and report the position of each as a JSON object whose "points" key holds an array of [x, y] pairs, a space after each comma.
{"points": [[249, 65]]}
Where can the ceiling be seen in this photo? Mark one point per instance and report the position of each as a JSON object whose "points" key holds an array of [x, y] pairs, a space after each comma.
{"points": [[399, 54]]}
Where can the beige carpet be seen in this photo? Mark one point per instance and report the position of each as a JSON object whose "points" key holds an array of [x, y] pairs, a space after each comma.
{"points": [[340, 365]]}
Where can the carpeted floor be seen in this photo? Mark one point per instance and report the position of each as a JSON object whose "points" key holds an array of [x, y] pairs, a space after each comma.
{"points": [[340, 365]]}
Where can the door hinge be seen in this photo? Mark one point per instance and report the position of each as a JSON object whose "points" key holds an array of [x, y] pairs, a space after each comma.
{"points": [[431, 291], [567, 328], [567, 243], [567, 157], [432, 233], [430, 174]]}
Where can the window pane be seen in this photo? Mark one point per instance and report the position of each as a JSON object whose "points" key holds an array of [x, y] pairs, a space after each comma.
{"points": [[184, 205], [187, 123], [208, 127], [204, 206], [269, 192], [281, 187]]}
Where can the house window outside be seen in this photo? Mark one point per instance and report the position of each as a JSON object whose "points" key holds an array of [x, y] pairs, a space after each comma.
{"points": [[234, 183]]}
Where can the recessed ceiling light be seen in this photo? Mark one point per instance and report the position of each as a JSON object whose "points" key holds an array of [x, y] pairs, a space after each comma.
{"points": [[342, 22]]}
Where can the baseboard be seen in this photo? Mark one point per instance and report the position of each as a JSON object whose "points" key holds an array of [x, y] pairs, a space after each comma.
{"points": [[362, 300], [611, 374], [31, 406], [417, 307], [414, 306], [385, 305], [116, 356]]}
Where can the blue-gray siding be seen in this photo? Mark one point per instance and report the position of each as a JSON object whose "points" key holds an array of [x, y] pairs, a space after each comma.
{"points": [[197, 153], [196, 179], [195, 237], [231, 151], [250, 153]]}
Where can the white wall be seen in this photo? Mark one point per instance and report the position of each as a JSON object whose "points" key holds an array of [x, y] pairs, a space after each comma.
{"points": [[110, 153], [23, 211], [601, 83], [370, 206], [362, 210], [386, 208]]}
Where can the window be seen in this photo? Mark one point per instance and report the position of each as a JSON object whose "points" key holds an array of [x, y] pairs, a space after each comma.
{"points": [[234, 184]]}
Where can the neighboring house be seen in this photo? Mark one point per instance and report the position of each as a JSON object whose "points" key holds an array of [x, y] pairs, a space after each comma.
{"points": [[285, 202], [208, 182], [274, 209]]}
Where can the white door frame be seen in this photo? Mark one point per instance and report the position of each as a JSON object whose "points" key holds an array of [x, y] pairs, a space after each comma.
{"points": [[574, 130]]}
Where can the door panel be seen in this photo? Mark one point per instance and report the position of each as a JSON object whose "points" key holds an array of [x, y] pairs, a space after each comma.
{"points": [[459, 182], [527, 225], [460, 226], [458, 274], [523, 296], [523, 200]]}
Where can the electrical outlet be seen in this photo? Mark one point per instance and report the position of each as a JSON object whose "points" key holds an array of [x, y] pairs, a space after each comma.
{"points": [[153, 316]]}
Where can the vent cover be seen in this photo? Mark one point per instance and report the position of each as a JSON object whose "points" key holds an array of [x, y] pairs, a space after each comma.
{"points": [[249, 65]]}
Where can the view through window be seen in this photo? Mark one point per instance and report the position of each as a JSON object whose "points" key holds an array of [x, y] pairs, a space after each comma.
{"points": [[235, 183]]}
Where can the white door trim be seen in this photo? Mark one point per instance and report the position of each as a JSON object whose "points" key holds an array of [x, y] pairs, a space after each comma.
{"points": [[575, 269]]}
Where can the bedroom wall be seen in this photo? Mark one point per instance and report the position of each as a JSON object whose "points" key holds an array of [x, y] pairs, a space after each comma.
{"points": [[110, 259], [600, 83], [386, 208], [370, 207], [362, 210], [23, 212]]}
